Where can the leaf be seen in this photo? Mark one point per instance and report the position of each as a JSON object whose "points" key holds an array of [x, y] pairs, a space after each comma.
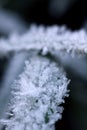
{"points": [[37, 95]]}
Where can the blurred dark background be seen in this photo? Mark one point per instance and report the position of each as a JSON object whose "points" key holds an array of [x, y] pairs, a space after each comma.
{"points": [[18, 15], [72, 13]]}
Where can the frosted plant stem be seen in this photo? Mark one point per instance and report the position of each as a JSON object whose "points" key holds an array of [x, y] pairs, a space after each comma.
{"points": [[56, 38], [13, 69]]}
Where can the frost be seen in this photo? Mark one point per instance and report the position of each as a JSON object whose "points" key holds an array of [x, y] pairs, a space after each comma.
{"points": [[17, 62], [37, 95], [42, 86], [50, 38]]}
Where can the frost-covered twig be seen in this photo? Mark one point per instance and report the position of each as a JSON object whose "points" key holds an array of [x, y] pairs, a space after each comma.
{"points": [[51, 38], [37, 95]]}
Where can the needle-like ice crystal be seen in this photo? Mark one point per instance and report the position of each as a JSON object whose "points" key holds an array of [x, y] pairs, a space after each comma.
{"points": [[37, 95]]}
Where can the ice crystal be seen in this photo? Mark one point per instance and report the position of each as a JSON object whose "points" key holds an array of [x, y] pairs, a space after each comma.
{"points": [[37, 95], [50, 38], [42, 86]]}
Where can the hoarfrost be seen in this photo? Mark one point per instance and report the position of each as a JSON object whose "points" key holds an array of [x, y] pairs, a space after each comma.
{"points": [[37, 95], [51, 38]]}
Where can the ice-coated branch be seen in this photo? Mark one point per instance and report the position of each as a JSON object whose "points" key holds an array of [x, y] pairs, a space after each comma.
{"points": [[37, 95], [50, 38]]}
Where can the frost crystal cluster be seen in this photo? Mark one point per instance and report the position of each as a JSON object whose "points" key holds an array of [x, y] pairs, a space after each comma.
{"points": [[42, 85], [51, 38], [39, 91]]}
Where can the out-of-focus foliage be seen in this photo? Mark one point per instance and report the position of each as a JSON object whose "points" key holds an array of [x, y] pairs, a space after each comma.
{"points": [[57, 8], [11, 23]]}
